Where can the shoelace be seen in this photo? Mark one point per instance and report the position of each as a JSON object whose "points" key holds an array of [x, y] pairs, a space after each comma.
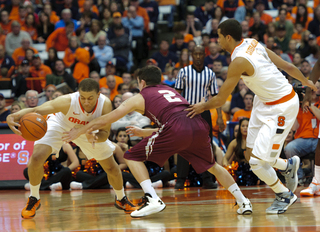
{"points": [[32, 201]]}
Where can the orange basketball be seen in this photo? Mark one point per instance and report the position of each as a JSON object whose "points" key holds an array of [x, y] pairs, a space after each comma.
{"points": [[33, 126]]}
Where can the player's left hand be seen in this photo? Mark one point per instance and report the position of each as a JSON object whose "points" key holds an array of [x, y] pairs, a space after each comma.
{"points": [[92, 137], [196, 109], [310, 84], [71, 135]]}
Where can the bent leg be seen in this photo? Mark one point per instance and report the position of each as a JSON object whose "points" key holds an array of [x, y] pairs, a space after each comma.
{"points": [[113, 171]]}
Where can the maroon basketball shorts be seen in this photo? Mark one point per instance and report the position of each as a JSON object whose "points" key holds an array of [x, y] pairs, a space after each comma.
{"points": [[187, 137]]}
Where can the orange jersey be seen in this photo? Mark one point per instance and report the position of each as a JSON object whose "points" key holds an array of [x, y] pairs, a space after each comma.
{"points": [[32, 32], [58, 39], [6, 28], [214, 117], [241, 114], [296, 36], [221, 3], [187, 38], [305, 129], [19, 55], [3, 40], [69, 57], [42, 72], [14, 14], [103, 82]]}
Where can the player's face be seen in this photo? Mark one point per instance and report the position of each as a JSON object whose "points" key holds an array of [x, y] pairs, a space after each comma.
{"points": [[244, 127], [88, 100], [221, 40], [122, 137]]}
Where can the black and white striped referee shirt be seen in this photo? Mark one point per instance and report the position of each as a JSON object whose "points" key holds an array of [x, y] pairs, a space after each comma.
{"points": [[196, 85]]}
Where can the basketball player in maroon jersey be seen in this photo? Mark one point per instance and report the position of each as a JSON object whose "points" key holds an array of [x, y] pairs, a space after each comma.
{"points": [[176, 133]]}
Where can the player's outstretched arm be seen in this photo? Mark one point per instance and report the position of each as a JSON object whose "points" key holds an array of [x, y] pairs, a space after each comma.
{"points": [[135, 103], [60, 104], [137, 131], [291, 69], [236, 68]]}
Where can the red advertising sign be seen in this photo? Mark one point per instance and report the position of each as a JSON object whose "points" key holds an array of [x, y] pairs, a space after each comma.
{"points": [[15, 152]]}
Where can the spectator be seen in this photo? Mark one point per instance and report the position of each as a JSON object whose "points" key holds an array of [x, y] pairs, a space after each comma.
{"points": [[45, 27], [127, 78], [314, 25], [297, 60], [59, 39], [212, 29], [171, 80], [181, 28], [246, 112], [245, 29], [237, 102], [123, 88], [32, 98], [14, 38], [292, 48], [70, 52], [7, 64], [205, 12], [70, 5], [52, 58], [111, 82], [140, 11], [116, 20], [49, 90], [297, 35], [276, 48], [245, 11], [13, 10], [153, 13], [106, 18], [264, 18], [314, 56], [65, 18], [164, 56], [305, 68], [270, 32], [308, 41], [193, 27], [216, 68], [117, 100], [184, 59], [121, 47], [22, 15], [135, 24], [30, 10], [282, 39], [4, 112], [205, 42], [102, 51], [258, 26], [110, 70], [39, 70], [270, 43], [19, 84], [295, 9], [19, 53], [284, 22], [5, 22], [53, 18], [178, 45], [214, 55], [81, 68], [89, 8], [29, 55], [302, 17], [95, 76], [23, 99], [16, 106], [132, 119], [106, 92], [30, 26], [95, 32], [60, 75]]}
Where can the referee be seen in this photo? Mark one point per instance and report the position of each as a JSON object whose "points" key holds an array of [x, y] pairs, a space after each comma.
{"points": [[195, 82]]}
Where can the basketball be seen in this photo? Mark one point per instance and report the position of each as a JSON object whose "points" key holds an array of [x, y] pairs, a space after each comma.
{"points": [[33, 126]]}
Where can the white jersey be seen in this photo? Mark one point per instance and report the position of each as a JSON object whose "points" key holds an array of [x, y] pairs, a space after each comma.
{"points": [[267, 82], [76, 114]]}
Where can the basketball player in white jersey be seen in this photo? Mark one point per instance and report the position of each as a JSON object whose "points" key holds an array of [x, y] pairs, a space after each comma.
{"points": [[275, 109], [68, 111]]}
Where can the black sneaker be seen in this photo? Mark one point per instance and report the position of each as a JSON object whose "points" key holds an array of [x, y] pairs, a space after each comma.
{"points": [[179, 184], [209, 185]]}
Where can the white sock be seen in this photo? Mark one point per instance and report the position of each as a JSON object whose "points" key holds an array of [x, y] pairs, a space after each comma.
{"points": [[34, 191], [120, 194], [147, 188], [157, 184], [317, 172], [236, 192], [279, 187], [280, 164]]}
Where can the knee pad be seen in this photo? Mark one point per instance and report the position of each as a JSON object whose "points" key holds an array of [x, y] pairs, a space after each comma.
{"points": [[255, 163], [263, 170]]}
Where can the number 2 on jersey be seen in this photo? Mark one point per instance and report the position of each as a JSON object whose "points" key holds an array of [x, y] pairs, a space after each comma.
{"points": [[169, 96], [281, 120]]}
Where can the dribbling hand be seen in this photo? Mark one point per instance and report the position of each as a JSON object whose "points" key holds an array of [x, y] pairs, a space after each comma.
{"points": [[12, 124], [71, 135], [196, 109], [92, 137], [134, 131]]}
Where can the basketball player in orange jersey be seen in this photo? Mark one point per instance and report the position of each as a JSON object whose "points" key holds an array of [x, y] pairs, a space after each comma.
{"points": [[275, 108], [68, 111]]}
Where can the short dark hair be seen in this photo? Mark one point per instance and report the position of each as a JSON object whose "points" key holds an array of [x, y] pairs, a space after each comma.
{"points": [[88, 85], [150, 74], [231, 27], [218, 61], [68, 23]]}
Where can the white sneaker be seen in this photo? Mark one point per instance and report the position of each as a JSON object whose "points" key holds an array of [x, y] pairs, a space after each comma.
{"points": [[172, 183], [291, 173], [157, 184], [245, 208], [313, 189], [76, 185], [56, 186], [150, 206], [27, 186]]}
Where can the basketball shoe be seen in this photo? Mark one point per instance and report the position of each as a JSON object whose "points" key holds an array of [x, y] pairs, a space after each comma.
{"points": [[291, 173], [125, 204], [150, 206], [282, 203], [245, 208], [312, 190], [30, 210]]}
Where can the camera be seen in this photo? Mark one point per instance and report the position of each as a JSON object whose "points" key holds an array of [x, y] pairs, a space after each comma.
{"points": [[299, 89]]}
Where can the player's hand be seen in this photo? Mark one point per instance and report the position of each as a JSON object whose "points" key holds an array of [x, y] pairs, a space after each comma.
{"points": [[134, 131], [91, 136], [310, 84], [195, 109], [11, 121], [71, 135], [123, 146], [221, 124]]}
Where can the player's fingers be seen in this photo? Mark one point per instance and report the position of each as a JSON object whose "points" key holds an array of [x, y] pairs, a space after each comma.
{"points": [[16, 131], [188, 109]]}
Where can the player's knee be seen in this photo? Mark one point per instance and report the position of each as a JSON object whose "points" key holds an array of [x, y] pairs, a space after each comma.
{"points": [[255, 163], [38, 158]]}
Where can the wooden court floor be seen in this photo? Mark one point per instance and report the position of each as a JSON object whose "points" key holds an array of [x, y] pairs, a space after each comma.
{"points": [[189, 210]]}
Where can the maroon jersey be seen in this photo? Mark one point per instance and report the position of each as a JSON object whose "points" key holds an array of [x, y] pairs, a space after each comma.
{"points": [[163, 103]]}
